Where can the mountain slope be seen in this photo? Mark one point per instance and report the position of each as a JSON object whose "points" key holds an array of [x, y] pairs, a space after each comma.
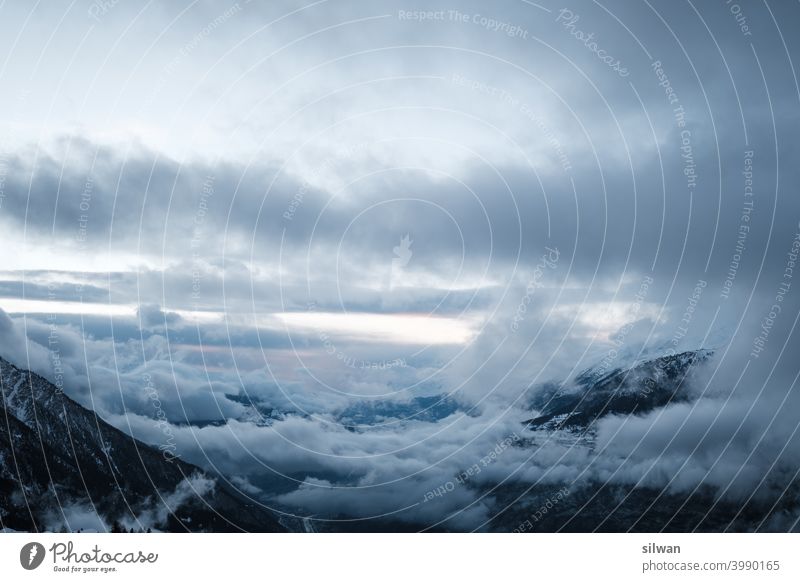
{"points": [[55, 454], [567, 414], [596, 392]]}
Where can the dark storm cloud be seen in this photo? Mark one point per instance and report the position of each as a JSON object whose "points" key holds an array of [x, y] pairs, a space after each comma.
{"points": [[625, 229], [604, 209], [55, 291]]}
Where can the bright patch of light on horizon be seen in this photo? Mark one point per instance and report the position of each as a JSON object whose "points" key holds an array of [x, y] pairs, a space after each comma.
{"points": [[415, 282], [603, 319], [36, 254], [391, 328], [37, 306], [46, 306]]}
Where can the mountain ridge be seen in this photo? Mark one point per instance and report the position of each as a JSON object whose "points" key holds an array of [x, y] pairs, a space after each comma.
{"points": [[598, 392], [54, 453]]}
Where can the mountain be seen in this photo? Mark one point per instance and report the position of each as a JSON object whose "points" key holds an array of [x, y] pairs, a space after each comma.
{"points": [[388, 412], [356, 416], [566, 414], [596, 392], [59, 459]]}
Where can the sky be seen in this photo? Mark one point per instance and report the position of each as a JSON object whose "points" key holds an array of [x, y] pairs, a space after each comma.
{"points": [[315, 206]]}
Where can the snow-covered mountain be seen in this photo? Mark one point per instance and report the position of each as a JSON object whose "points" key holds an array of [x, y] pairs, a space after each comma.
{"points": [[566, 415], [598, 392], [60, 462], [58, 459]]}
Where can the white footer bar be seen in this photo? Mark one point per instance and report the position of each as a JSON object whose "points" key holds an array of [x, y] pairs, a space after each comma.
{"points": [[410, 557]]}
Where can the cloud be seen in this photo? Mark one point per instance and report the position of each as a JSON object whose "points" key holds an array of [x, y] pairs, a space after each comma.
{"points": [[150, 515], [152, 316], [21, 352], [155, 516], [73, 517]]}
